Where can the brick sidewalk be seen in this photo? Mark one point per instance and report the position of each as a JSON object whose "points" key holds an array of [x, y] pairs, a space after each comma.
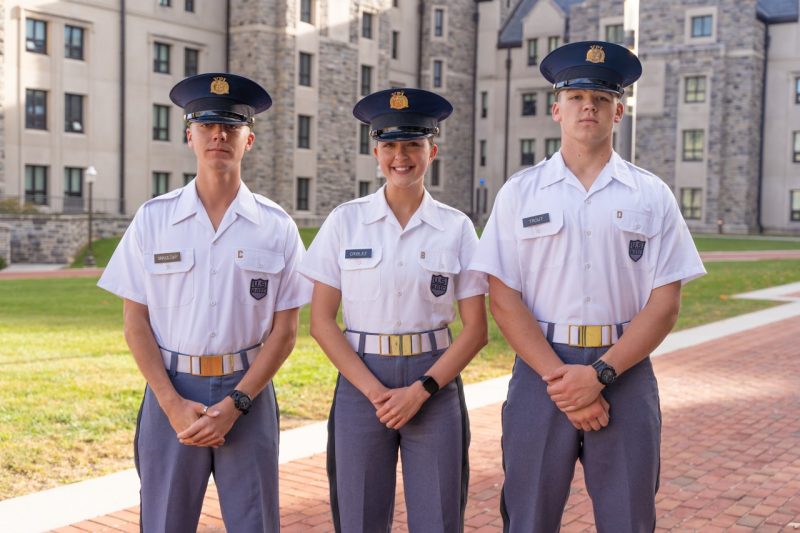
{"points": [[730, 450]]}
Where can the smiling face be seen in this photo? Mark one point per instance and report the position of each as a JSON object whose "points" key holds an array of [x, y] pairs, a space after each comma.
{"points": [[587, 116], [219, 147], [404, 163]]}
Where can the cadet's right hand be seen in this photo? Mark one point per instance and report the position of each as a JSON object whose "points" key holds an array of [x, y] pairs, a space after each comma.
{"points": [[182, 413], [593, 417]]}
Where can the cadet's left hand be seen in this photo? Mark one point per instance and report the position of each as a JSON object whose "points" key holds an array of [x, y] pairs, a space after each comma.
{"points": [[210, 429], [400, 405], [573, 387]]}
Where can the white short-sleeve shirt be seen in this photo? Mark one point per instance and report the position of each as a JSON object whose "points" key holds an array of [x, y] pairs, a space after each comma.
{"points": [[393, 279], [583, 257], [209, 292]]}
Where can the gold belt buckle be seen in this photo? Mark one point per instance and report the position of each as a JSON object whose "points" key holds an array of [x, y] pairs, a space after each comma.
{"points": [[399, 345], [211, 365], [589, 336]]}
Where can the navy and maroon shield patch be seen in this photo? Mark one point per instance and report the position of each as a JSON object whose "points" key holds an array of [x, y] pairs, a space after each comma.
{"points": [[439, 285], [636, 250], [258, 288]]}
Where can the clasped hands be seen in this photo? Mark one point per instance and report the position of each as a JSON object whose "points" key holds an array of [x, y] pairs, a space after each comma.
{"points": [[198, 425], [576, 390], [395, 407]]}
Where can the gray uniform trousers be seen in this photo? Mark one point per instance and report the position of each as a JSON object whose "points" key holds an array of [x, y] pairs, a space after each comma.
{"points": [[540, 446], [362, 454], [174, 476]]}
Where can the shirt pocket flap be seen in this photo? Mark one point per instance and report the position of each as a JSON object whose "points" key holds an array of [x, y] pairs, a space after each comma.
{"points": [[443, 261], [256, 260], [541, 225], [635, 222], [169, 262], [359, 257]]}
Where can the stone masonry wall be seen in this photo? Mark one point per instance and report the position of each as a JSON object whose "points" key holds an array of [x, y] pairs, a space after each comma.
{"points": [[2, 102], [55, 238], [585, 17], [735, 62], [5, 243]]}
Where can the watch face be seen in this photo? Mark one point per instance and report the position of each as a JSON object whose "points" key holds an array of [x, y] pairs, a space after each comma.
{"points": [[243, 402], [607, 376]]}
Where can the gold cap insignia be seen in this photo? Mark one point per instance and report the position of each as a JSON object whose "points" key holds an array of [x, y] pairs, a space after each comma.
{"points": [[219, 85], [596, 54], [398, 100]]}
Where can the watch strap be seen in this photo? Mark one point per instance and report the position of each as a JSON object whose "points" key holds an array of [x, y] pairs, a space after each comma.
{"points": [[429, 384]]}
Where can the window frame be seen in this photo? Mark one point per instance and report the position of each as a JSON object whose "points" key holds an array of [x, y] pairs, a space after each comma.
{"points": [[691, 211], [529, 100], [794, 208], [72, 50], [363, 184], [157, 184], [188, 6], [367, 25], [703, 18], [366, 79], [553, 42], [548, 145], [527, 157], [797, 90], [306, 190], [551, 99], [187, 61], [364, 144], [532, 50], [161, 65], [306, 15], [305, 65], [36, 99], [395, 44], [796, 147], [33, 43], [618, 29], [69, 175], [692, 154], [161, 122], [697, 94], [70, 113], [484, 104], [439, 23], [482, 153], [304, 132], [437, 73], [436, 174], [33, 194]]}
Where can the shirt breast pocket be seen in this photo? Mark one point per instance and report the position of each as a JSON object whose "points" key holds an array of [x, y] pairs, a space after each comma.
{"points": [[543, 244], [170, 278], [361, 275], [633, 232], [439, 270], [257, 275]]}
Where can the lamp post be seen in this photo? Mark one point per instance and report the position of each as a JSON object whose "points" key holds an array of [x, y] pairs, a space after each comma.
{"points": [[91, 176]]}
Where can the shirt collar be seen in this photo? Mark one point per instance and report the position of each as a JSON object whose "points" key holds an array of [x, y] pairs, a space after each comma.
{"points": [[189, 203], [621, 172], [615, 168], [378, 208], [245, 204]]}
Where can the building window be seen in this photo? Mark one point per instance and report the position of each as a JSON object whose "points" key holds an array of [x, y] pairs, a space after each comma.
{"points": [[191, 59], [553, 43], [482, 153], [551, 146], [304, 72], [438, 73], [363, 188], [160, 122], [796, 148], [161, 58], [436, 173], [797, 90], [615, 33], [366, 25], [551, 99], [303, 131], [691, 203], [366, 80], [73, 113], [694, 89], [36, 184], [307, 11], [529, 104], [73, 189], [395, 44], [160, 183], [165, 3], [533, 51], [363, 139], [702, 26], [189, 6], [36, 36], [438, 22], [484, 104], [527, 147], [794, 201], [35, 109], [395, 3], [303, 187], [73, 42], [187, 177], [692, 145]]}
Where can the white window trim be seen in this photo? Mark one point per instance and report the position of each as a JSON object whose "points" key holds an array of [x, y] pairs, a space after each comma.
{"points": [[699, 12], [444, 22], [606, 22]]}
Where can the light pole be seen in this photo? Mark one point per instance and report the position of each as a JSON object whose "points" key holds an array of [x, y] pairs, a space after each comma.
{"points": [[91, 176]]}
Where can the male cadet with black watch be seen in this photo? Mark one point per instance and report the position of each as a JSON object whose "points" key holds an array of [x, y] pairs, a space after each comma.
{"points": [[580, 249], [211, 299]]}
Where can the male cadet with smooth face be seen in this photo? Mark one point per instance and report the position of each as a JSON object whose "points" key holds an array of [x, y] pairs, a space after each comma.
{"points": [[211, 294], [580, 249]]}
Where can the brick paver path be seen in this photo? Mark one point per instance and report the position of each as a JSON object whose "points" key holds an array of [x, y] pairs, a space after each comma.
{"points": [[730, 450]]}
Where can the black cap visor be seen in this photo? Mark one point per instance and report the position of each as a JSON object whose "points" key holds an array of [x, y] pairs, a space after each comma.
{"points": [[590, 83], [218, 110], [402, 133]]}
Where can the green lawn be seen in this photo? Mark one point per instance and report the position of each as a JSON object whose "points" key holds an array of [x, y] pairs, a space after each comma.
{"points": [[69, 390]]}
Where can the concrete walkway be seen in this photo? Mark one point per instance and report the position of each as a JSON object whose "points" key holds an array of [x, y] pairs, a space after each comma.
{"points": [[730, 448]]}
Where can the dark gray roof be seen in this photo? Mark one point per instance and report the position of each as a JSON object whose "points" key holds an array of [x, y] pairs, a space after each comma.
{"points": [[511, 34], [774, 11]]}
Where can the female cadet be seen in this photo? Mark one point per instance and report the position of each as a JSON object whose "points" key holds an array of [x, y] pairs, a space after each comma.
{"points": [[397, 259]]}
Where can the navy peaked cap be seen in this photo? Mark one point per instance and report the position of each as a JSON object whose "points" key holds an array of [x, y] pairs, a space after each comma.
{"points": [[220, 98], [402, 114], [596, 65]]}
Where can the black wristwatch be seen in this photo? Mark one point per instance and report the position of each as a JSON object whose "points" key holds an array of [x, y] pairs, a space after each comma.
{"points": [[429, 384], [241, 401], [605, 372]]}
